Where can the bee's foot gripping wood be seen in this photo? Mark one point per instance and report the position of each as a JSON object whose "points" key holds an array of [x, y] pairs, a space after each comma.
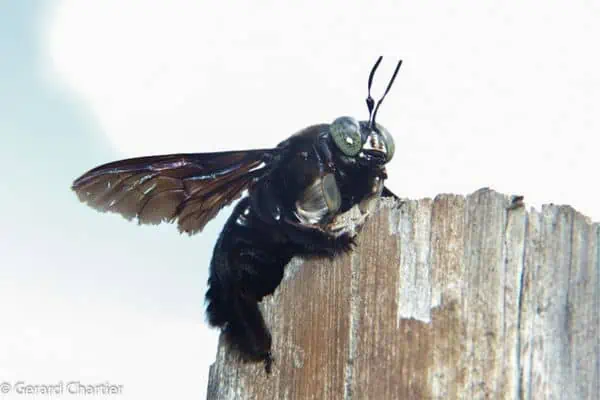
{"points": [[456, 297]]}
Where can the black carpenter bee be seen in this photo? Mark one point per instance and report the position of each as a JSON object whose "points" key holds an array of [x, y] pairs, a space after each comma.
{"points": [[294, 193]]}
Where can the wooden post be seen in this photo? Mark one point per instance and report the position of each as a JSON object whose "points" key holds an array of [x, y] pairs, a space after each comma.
{"points": [[456, 298]]}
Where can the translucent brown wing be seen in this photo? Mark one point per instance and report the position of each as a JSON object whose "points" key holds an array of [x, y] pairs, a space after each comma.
{"points": [[189, 188]]}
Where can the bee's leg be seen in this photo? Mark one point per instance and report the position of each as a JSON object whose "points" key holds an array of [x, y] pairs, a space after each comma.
{"points": [[314, 241], [388, 193], [246, 331], [247, 265]]}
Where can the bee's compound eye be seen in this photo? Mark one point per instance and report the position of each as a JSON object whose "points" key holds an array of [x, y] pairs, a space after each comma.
{"points": [[345, 132], [389, 142]]}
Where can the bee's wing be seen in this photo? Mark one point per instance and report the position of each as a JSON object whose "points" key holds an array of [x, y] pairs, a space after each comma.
{"points": [[189, 188]]}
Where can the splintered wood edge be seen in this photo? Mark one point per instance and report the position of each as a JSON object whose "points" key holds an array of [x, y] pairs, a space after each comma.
{"points": [[527, 372]]}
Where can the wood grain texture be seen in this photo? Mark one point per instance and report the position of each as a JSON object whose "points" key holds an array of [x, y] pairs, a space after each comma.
{"points": [[462, 297]]}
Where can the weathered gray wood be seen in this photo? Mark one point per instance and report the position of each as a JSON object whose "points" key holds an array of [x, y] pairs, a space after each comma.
{"points": [[459, 297]]}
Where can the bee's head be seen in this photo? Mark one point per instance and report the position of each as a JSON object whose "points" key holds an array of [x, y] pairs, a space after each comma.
{"points": [[358, 140], [366, 141]]}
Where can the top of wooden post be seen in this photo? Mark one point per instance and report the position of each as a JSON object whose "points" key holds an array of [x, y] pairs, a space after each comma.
{"points": [[456, 297]]}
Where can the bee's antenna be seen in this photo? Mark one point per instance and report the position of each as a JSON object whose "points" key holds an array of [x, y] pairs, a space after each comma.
{"points": [[370, 101]]}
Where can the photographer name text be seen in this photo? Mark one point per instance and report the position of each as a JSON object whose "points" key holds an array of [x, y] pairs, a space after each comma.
{"points": [[61, 387]]}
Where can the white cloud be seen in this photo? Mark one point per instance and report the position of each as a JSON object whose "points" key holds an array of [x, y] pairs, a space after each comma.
{"points": [[504, 96]]}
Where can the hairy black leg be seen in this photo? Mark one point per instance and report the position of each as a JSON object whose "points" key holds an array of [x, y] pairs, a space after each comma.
{"points": [[345, 243], [314, 241], [388, 193], [242, 323], [246, 331]]}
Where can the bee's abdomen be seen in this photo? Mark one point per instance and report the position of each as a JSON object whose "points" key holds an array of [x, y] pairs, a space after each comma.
{"points": [[247, 264]]}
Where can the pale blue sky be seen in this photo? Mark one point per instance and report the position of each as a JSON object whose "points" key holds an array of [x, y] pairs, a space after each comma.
{"points": [[48, 139], [79, 290]]}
